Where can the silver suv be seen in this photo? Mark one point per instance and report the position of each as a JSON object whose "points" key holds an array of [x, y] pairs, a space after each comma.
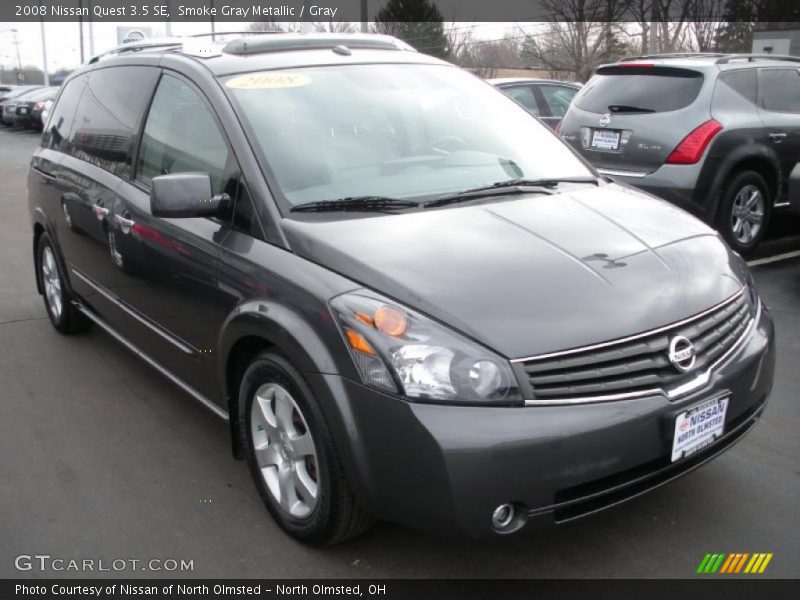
{"points": [[715, 134]]}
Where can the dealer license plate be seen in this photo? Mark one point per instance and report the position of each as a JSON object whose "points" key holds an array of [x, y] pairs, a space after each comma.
{"points": [[698, 427], [605, 139], [23, 111]]}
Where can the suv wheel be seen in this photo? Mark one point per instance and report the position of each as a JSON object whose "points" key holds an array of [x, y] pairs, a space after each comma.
{"points": [[744, 212], [291, 455], [57, 302]]}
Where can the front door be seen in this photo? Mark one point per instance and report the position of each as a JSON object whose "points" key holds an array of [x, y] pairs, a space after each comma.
{"points": [[779, 109], [170, 275]]}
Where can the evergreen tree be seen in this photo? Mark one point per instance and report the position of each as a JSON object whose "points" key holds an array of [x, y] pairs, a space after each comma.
{"points": [[417, 22]]}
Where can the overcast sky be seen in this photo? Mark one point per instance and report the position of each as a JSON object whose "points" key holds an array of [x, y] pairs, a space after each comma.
{"points": [[63, 45]]}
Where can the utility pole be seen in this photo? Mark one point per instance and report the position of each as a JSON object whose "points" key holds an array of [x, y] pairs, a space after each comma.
{"points": [[80, 28], [168, 23], [20, 74], [364, 17], [44, 56], [91, 30], [213, 28]]}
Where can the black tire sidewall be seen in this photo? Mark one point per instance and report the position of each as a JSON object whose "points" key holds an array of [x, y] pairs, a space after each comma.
{"points": [[270, 367], [732, 188]]}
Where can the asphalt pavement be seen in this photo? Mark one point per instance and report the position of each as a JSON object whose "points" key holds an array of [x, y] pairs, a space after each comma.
{"points": [[102, 458]]}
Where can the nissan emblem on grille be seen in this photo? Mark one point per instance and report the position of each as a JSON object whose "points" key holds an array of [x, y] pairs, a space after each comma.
{"points": [[605, 120], [682, 353]]}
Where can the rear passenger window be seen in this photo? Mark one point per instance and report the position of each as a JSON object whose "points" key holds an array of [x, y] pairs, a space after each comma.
{"points": [[742, 82], [56, 135], [181, 135], [525, 95], [109, 116], [558, 98], [780, 90]]}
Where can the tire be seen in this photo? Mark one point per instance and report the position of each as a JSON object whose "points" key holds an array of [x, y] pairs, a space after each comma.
{"points": [[332, 515], [742, 224], [57, 301]]}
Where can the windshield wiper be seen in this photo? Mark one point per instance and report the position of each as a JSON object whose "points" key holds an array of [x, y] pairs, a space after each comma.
{"points": [[624, 108], [508, 186], [356, 203]]}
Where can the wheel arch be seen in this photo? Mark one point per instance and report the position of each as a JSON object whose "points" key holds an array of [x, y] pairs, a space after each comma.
{"points": [[256, 326]]}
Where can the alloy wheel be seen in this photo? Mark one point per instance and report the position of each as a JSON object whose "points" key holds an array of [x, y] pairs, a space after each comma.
{"points": [[747, 214], [52, 282], [285, 450]]}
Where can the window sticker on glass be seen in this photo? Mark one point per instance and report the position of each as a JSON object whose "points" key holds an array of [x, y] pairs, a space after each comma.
{"points": [[263, 81]]}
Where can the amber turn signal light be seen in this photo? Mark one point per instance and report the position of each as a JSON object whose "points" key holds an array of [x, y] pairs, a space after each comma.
{"points": [[358, 342]]}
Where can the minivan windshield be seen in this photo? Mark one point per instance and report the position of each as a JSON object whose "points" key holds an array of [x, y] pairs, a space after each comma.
{"points": [[403, 131]]}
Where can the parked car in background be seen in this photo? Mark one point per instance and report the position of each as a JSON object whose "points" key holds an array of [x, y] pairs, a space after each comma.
{"points": [[547, 99], [716, 134], [407, 298], [8, 104], [28, 108], [6, 89]]}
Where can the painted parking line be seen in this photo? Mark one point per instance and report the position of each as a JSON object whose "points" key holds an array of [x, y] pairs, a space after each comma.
{"points": [[772, 259]]}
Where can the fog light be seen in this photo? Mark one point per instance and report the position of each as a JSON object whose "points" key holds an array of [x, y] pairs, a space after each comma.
{"points": [[502, 516]]}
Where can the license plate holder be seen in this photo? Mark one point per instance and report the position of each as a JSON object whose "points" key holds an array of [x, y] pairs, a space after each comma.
{"points": [[698, 426], [605, 139]]}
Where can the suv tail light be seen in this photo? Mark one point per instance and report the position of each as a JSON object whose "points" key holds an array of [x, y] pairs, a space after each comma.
{"points": [[689, 151]]}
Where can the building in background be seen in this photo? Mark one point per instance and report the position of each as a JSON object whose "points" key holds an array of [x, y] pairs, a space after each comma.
{"points": [[772, 38]]}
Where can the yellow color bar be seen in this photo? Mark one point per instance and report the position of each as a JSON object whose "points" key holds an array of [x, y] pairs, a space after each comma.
{"points": [[765, 563], [752, 562]]}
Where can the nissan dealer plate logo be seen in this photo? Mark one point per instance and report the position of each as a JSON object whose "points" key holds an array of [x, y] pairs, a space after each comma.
{"points": [[605, 120], [682, 353]]}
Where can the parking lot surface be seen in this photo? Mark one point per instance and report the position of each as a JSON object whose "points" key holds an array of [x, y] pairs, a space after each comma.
{"points": [[100, 457]]}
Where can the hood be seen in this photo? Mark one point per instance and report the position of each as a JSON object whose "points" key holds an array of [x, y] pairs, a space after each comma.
{"points": [[536, 273]]}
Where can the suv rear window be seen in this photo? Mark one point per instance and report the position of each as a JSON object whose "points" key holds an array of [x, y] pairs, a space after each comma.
{"points": [[648, 89]]}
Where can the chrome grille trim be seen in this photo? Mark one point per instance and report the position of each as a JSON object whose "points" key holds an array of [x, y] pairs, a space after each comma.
{"points": [[671, 394], [632, 337]]}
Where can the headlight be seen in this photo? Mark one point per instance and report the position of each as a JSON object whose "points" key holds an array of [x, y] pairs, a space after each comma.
{"points": [[400, 350]]}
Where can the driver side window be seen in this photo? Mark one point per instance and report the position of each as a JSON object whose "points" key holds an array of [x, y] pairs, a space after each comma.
{"points": [[181, 135]]}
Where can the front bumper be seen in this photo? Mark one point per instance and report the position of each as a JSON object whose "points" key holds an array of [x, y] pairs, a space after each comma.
{"points": [[445, 468]]}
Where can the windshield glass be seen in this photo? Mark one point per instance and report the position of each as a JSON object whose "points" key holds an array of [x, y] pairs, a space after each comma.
{"points": [[399, 131]]}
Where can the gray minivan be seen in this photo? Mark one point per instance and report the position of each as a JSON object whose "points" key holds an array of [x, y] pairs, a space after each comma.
{"points": [[407, 299], [716, 134]]}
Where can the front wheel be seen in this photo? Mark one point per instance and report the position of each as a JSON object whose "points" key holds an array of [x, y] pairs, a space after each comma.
{"points": [[291, 455], [57, 302], [744, 211]]}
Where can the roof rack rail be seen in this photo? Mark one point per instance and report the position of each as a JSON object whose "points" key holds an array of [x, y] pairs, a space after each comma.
{"points": [[289, 41], [675, 55], [751, 57], [138, 47]]}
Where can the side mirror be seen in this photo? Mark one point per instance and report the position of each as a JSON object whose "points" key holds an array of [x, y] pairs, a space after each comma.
{"points": [[184, 196]]}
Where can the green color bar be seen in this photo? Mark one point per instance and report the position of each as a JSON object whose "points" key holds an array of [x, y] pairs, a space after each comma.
{"points": [[703, 563], [718, 564]]}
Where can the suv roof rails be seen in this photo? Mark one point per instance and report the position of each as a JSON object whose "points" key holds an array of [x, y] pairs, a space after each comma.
{"points": [[302, 41], [751, 57], [675, 55]]}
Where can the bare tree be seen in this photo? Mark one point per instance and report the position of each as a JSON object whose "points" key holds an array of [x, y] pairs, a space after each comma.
{"points": [[486, 57], [581, 35]]}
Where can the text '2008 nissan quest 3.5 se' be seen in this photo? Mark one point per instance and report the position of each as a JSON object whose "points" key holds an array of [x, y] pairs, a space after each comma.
{"points": [[408, 298]]}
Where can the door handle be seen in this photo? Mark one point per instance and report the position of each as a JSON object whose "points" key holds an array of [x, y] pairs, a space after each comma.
{"points": [[778, 136], [101, 212], [125, 225]]}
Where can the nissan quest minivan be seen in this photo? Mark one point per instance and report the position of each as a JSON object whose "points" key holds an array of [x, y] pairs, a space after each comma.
{"points": [[409, 300]]}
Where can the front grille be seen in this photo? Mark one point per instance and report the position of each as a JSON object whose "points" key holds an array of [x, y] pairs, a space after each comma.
{"points": [[640, 364]]}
